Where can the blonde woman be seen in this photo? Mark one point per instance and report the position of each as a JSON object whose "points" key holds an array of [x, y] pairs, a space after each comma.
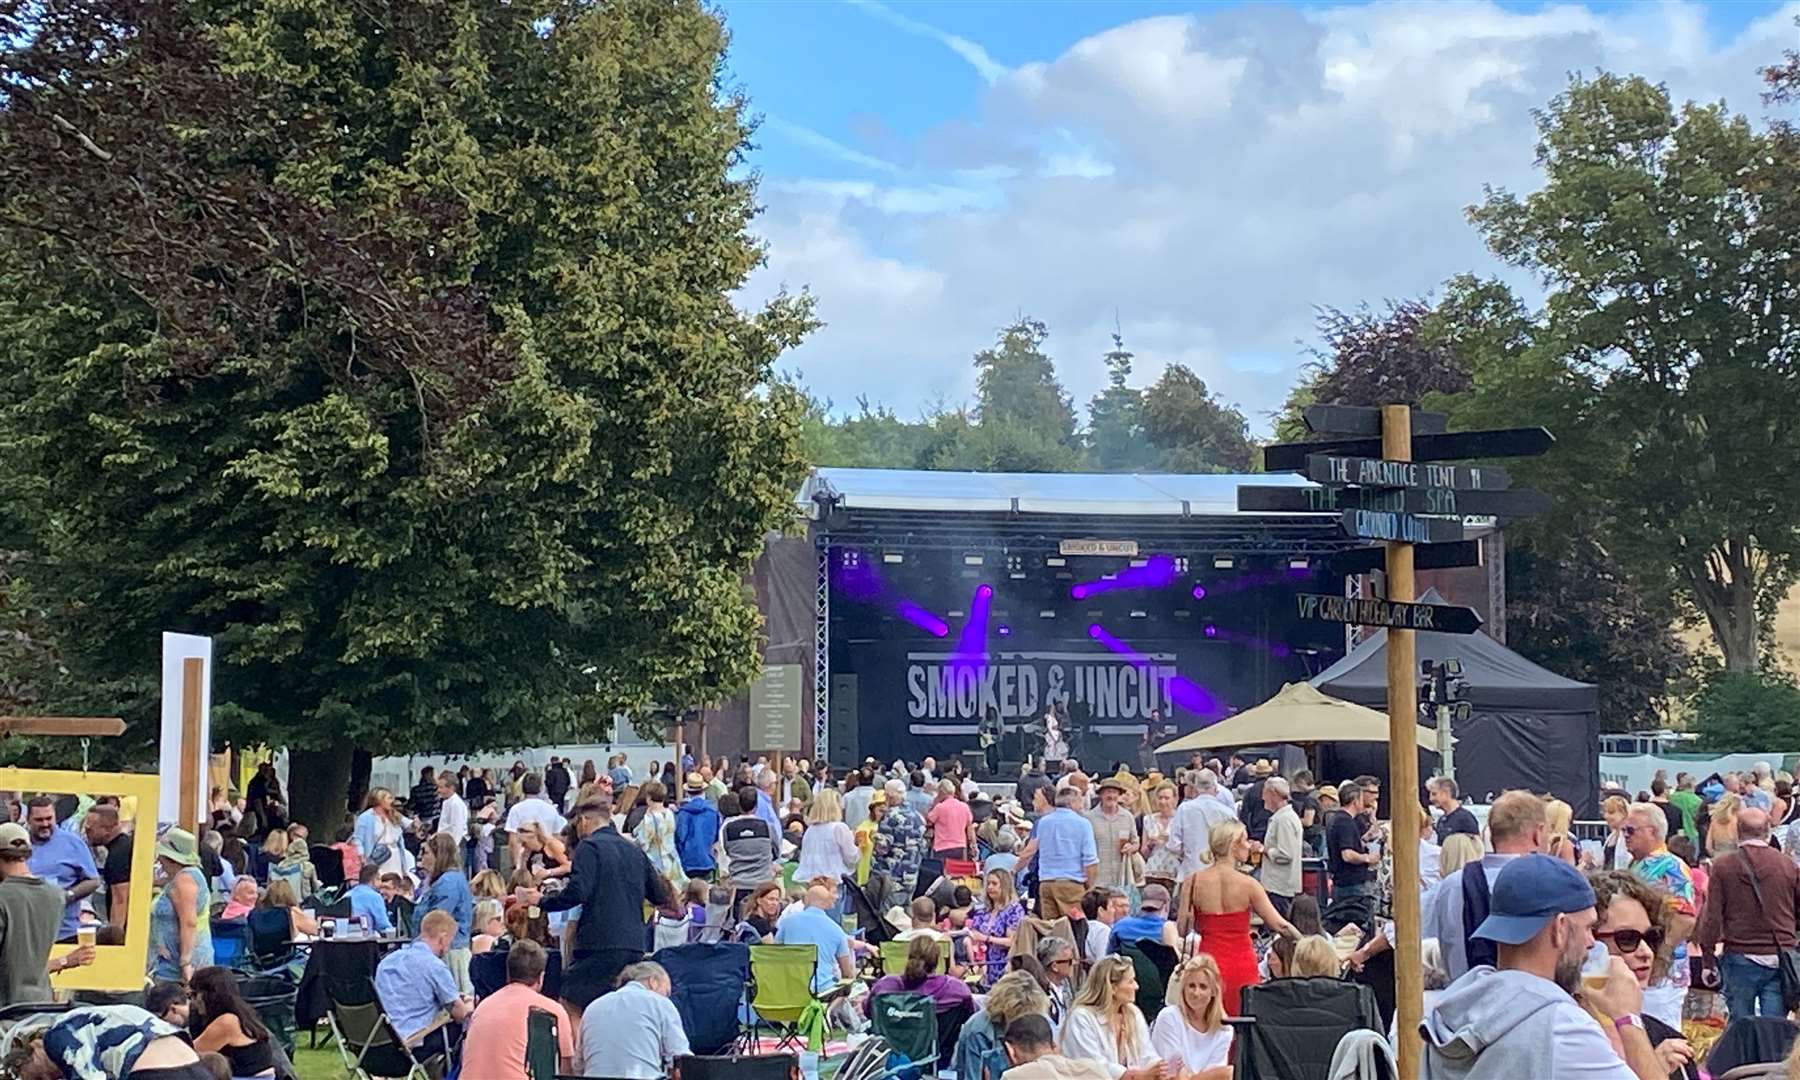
{"points": [[1217, 900], [1459, 850], [1161, 864], [488, 885], [541, 853], [1104, 1023], [1722, 830], [1190, 1032], [655, 833], [378, 831], [1315, 956], [827, 848], [993, 926], [1560, 816]]}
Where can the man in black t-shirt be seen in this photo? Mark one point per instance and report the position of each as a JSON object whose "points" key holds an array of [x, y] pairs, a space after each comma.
{"points": [[1306, 805], [1456, 817], [112, 850], [1352, 864]]}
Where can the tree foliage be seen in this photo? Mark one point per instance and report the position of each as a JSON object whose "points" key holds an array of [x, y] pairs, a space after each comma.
{"points": [[1116, 440], [1195, 431], [1747, 712], [1672, 294], [402, 361]]}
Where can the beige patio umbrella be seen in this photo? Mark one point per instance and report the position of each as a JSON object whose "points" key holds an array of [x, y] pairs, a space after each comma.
{"points": [[1299, 714]]}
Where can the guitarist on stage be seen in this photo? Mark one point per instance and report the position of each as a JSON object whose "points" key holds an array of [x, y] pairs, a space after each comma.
{"points": [[988, 733]]}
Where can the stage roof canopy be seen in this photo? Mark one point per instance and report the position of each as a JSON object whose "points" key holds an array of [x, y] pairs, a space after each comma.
{"points": [[1298, 714], [1112, 494]]}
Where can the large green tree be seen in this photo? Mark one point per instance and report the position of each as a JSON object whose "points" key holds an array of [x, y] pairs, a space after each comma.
{"points": [[1194, 430], [391, 344], [1671, 290], [1115, 437]]}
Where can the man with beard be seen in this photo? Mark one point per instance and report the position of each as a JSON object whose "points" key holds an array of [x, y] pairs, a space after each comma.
{"points": [[1521, 1017]]}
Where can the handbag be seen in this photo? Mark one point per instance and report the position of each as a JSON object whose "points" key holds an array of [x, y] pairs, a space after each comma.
{"points": [[1787, 961]]}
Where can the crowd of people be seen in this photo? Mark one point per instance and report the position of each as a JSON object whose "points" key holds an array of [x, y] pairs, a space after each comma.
{"points": [[1020, 907]]}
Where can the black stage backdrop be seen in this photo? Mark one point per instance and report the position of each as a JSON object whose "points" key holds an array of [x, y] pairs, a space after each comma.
{"points": [[913, 700]]}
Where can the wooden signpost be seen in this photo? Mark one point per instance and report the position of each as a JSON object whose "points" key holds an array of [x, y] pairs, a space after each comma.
{"points": [[1443, 618], [1452, 502], [1407, 528], [1377, 473], [1425, 557], [1454, 446], [1377, 468]]}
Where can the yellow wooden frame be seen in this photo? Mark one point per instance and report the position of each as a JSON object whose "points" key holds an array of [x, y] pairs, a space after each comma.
{"points": [[115, 967]]}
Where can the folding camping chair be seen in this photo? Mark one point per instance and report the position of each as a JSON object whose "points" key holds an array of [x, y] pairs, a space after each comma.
{"points": [[708, 983], [328, 863], [271, 939], [780, 992], [909, 1023], [541, 1044], [736, 1067], [1290, 1028], [1153, 962], [370, 1047], [893, 957], [231, 942]]}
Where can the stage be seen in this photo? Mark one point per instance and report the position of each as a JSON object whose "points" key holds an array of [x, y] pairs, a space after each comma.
{"points": [[1134, 604]]}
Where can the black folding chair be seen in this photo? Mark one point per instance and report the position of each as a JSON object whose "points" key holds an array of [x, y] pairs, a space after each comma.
{"points": [[736, 1067], [370, 1047]]}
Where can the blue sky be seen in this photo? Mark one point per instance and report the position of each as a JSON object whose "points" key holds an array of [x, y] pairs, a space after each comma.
{"points": [[1211, 173]]}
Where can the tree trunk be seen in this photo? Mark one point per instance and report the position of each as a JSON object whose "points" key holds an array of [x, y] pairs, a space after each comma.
{"points": [[1725, 590], [362, 765], [318, 781]]}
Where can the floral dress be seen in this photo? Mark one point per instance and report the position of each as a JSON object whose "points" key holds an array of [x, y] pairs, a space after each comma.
{"points": [[656, 835], [1000, 923], [899, 848], [1161, 862]]}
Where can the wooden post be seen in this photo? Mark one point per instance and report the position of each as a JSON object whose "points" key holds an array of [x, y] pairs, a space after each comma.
{"points": [[1403, 773], [676, 795], [193, 683]]}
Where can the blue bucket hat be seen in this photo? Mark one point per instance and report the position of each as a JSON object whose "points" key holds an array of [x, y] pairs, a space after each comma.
{"points": [[1532, 890]]}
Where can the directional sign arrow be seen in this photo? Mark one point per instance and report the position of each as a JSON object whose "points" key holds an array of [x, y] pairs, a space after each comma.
{"points": [[1455, 446], [1442, 618], [1365, 420], [1377, 473], [1404, 528], [1434, 500], [1425, 557]]}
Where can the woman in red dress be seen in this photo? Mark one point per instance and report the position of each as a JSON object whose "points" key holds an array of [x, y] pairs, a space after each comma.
{"points": [[1217, 901]]}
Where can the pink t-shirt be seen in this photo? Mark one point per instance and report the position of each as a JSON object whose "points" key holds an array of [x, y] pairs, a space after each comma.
{"points": [[494, 1046], [949, 821]]}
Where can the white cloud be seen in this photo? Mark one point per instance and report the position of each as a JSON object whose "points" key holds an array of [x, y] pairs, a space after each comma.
{"points": [[1214, 178], [977, 57], [825, 144]]}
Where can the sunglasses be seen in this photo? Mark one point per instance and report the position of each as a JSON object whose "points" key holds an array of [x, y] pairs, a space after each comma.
{"points": [[1628, 830], [1629, 940]]}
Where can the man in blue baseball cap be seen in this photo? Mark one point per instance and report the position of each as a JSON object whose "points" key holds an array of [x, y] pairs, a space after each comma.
{"points": [[1521, 1017]]}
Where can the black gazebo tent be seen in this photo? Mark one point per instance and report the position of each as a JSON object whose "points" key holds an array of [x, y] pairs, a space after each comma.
{"points": [[1531, 728]]}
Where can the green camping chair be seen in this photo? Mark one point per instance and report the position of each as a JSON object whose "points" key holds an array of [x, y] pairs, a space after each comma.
{"points": [[541, 1045], [909, 1023], [780, 992], [893, 957]]}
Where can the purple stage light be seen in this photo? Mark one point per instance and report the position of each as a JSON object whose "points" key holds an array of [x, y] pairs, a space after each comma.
{"points": [[1004, 630], [923, 619], [971, 642], [1182, 690], [1158, 572], [1199, 592], [1211, 630]]}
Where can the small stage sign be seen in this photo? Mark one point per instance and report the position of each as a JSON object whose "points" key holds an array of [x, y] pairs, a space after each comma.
{"points": [[1121, 548]]}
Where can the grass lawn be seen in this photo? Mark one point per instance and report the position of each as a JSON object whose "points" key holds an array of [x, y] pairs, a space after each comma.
{"points": [[321, 1064]]}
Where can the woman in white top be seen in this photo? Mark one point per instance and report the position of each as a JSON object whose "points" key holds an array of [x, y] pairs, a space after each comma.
{"points": [[378, 832], [827, 848], [1104, 1023], [1191, 1031]]}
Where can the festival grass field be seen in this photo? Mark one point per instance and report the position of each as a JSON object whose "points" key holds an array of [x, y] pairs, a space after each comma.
{"points": [[321, 1064]]}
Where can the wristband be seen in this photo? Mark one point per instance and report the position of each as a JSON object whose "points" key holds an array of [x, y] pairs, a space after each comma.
{"points": [[1620, 1023]]}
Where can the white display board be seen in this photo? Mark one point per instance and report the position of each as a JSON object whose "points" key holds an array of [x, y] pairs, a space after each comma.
{"points": [[177, 648]]}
